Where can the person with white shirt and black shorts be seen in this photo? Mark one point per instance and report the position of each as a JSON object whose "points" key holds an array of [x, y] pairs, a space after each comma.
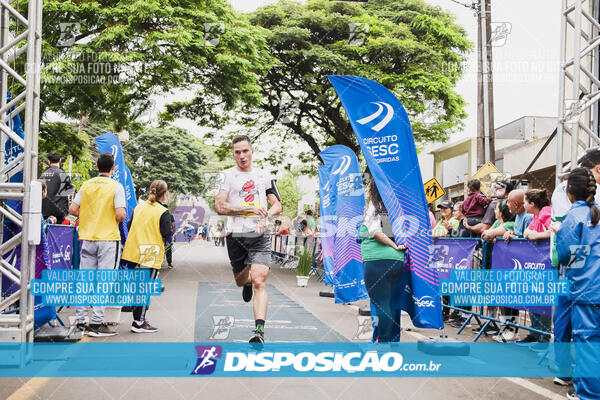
{"points": [[242, 194]]}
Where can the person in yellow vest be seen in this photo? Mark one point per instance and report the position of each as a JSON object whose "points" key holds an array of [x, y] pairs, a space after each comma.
{"points": [[100, 206], [150, 228]]}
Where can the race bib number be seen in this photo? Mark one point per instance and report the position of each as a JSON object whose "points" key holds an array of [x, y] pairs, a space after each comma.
{"points": [[253, 204]]}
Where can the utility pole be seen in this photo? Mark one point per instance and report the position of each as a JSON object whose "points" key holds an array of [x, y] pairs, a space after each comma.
{"points": [[489, 81], [485, 96], [486, 149], [480, 90]]}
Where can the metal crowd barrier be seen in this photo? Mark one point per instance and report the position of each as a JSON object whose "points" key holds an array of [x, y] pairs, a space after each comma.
{"points": [[285, 252], [61, 243], [284, 248], [478, 313]]}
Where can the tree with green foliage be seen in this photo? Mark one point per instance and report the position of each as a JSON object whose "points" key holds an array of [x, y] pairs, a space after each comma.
{"points": [[170, 154], [408, 46], [290, 194], [103, 60], [62, 138], [65, 139]]}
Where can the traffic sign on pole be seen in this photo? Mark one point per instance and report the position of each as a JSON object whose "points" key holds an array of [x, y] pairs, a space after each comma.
{"points": [[433, 190]]}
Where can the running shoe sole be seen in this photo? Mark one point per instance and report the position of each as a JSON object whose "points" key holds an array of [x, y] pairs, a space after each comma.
{"points": [[257, 339], [563, 381], [140, 330], [100, 334], [247, 293]]}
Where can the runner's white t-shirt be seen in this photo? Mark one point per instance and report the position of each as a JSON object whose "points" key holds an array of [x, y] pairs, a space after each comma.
{"points": [[245, 189]]}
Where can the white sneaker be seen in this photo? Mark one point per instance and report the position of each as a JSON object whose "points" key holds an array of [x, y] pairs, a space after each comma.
{"points": [[507, 336]]}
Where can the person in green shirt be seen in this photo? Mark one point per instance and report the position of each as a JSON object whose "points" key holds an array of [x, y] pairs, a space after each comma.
{"points": [[447, 222], [505, 221], [383, 261], [311, 220]]}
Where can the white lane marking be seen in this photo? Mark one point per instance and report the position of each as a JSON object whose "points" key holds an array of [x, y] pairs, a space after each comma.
{"points": [[542, 391]]}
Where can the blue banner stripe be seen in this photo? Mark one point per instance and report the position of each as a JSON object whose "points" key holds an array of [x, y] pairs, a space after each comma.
{"points": [[383, 131], [109, 142], [346, 204]]}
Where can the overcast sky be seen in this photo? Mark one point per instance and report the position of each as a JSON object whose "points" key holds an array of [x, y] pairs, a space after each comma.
{"points": [[525, 67]]}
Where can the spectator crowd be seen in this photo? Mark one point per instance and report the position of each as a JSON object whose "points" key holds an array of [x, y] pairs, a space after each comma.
{"points": [[569, 218]]}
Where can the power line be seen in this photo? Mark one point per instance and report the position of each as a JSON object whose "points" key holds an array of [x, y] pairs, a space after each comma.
{"points": [[472, 6]]}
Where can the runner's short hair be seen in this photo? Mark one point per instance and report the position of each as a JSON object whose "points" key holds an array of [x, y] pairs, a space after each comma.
{"points": [[54, 157], [241, 138], [309, 212], [105, 162]]}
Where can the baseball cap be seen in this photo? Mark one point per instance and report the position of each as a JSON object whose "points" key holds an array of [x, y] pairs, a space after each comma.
{"points": [[445, 204]]}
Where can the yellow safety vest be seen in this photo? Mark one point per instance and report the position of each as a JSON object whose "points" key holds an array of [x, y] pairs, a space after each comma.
{"points": [[145, 245], [97, 218]]}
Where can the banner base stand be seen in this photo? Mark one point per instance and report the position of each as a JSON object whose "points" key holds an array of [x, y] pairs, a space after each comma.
{"points": [[364, 310], [57, 334], [325, 293]]}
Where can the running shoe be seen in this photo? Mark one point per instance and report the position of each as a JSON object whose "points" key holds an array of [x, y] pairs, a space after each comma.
{"points": [[563, 381], [81, 326], [247, 292], [257, 337], [99, 330], [572, 395], [457, 323], [144, 327], [508, 335], [452, 315], [489, 330]]}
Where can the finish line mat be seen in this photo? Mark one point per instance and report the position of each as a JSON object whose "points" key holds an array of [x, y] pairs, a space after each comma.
{"points": [[222, 314]]}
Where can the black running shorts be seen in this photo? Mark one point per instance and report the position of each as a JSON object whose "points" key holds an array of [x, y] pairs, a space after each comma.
{"points": [[246, 250]]}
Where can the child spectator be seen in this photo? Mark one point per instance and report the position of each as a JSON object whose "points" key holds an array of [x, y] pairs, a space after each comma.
{"points": [[306, 230], [280, 229], [475, 204], [577, 243], [538, 204]]}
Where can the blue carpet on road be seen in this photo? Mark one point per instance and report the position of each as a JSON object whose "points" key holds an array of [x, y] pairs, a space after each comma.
{"points": [[221, 314]]}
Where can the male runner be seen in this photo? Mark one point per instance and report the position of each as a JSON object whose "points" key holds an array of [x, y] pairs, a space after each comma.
{"points": [[242, 195]]}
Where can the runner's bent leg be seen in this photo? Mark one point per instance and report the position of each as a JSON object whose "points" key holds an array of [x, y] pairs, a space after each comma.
{"points": [[243, 277], [259, 274]]}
